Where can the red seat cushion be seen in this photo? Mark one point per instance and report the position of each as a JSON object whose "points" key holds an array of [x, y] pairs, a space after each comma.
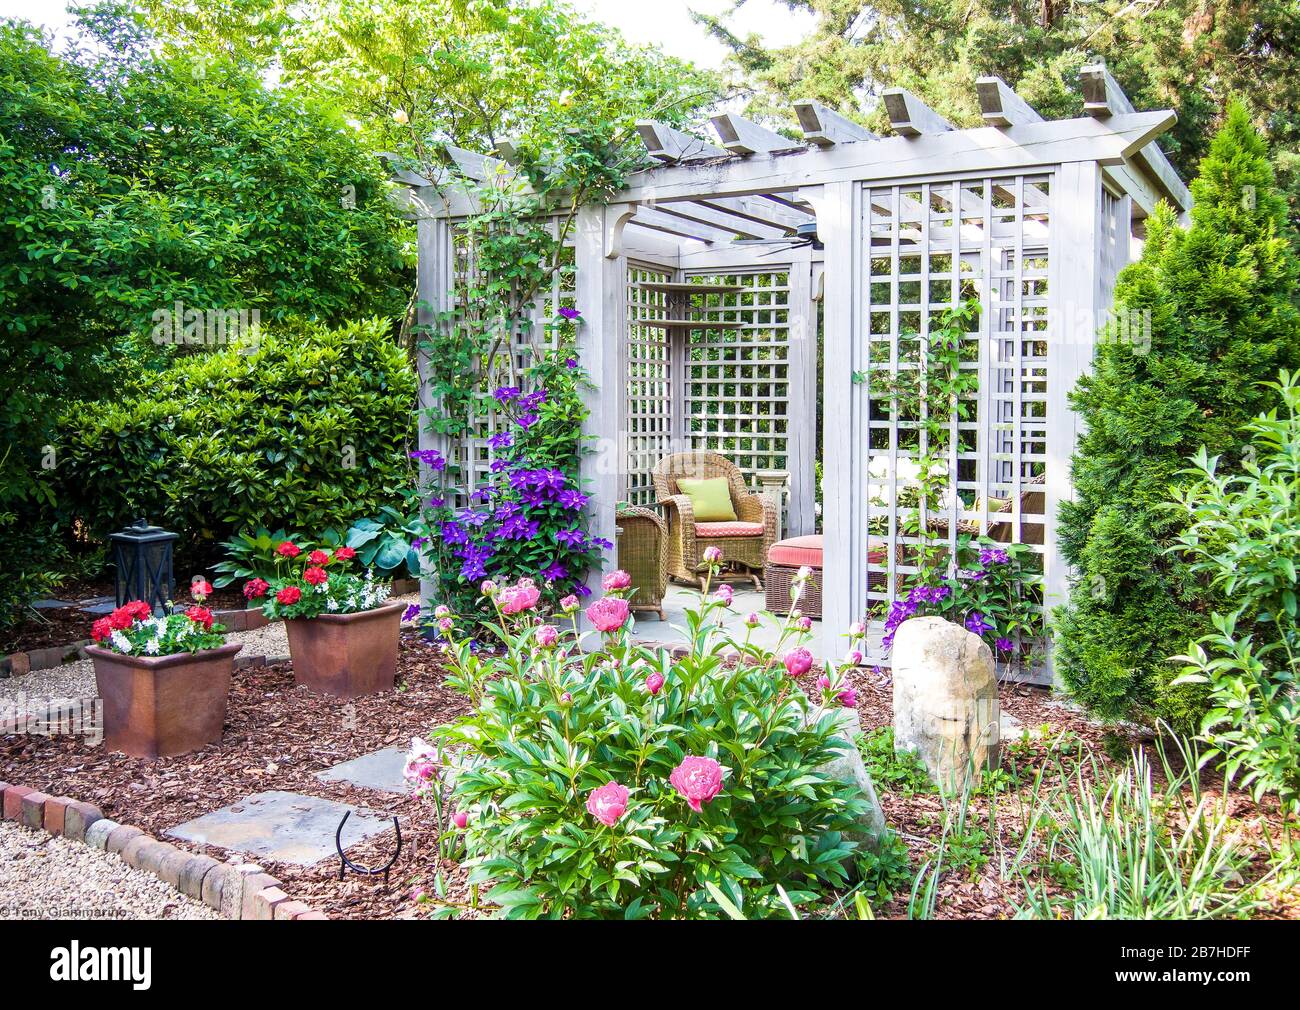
{"points": [[795, 552], [735, 529]]}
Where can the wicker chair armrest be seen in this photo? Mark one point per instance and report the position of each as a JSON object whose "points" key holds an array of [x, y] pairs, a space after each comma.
{"points": [[686, 517], [759, 508]]}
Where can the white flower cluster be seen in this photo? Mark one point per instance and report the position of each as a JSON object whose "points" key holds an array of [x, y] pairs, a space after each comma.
{"points": [[353, 599]]}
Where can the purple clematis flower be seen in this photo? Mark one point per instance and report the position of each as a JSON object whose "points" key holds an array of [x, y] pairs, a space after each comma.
{"points": [[570, 314]]}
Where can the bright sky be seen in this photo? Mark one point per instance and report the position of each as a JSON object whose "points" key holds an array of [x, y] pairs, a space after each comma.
{"points": [[663, 22]]}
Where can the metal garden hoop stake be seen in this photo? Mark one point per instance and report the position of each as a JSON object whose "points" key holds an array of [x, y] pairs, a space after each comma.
{"points": [[346, 864]]}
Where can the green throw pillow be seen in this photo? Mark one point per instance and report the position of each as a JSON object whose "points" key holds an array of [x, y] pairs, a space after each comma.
{"points": [[710, 498]]}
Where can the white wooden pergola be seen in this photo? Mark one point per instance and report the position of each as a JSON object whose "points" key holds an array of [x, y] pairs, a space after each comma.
{"points": [[716, 285]]}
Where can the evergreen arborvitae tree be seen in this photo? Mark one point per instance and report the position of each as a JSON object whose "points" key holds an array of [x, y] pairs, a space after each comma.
{"points": [[1223, 319]]}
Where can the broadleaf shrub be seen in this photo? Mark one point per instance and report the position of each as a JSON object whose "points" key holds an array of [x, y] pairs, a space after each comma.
{"points": [[628, 783], [1244, 532], [309, 431]]}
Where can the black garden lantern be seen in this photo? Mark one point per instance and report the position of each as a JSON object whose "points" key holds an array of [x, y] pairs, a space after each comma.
{"points": [[143, 557]]}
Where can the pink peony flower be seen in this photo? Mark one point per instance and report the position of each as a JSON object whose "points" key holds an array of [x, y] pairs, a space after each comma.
{"points": [[569, 604], [751, 620], [442, 610], [804, 623], [547, 635], [725, 594], [615, 581], [848, 698], [698, 779], [421, 763], [607, 803], [460, 819], [857, 629], [655, 682], [488, 587], [798, 661], [517, 599], [712, 555], [607, 614], [565, 698], [823, 683], [853, 657]]}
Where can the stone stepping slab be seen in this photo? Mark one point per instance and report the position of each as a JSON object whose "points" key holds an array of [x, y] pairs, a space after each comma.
{"points": [[281, 826], [380, 770]]}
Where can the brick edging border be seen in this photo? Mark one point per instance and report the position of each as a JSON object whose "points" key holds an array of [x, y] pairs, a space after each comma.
{"points": [[232, 890]]}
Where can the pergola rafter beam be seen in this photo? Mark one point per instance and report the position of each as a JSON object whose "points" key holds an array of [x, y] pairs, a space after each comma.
{"points": [[698, 213], [825, 127], [1001, 106], [741, 136], [1104, 98], [911, 117], [667, 144], [1014, 148]]}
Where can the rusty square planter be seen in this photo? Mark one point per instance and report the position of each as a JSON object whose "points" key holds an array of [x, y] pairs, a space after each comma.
{"points": [[347, 655], [159, 706]]}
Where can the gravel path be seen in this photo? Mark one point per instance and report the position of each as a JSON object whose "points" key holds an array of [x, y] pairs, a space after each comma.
{"points": [[77, 680], [46, 877]]}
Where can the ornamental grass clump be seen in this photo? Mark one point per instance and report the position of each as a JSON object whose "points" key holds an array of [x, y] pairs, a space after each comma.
{"points": [[623, 782]]}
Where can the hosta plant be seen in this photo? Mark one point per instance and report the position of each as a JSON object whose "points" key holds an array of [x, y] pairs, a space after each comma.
{"points": [[316, 582], [624, 782]]}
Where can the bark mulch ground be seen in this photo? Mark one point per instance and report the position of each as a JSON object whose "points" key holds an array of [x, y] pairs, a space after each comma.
{"points": [[278, 736]]}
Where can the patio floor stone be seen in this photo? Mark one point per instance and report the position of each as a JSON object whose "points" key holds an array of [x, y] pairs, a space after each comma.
{"points": [[286, 827], [380, 770]]}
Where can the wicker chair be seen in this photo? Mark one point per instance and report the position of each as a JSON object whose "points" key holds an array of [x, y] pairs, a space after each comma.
{"points": [[643, 554], [743, 543], [1032, 502]]}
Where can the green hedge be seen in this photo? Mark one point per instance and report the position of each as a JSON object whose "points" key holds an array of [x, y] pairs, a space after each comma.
{"points": [[308, 431]]}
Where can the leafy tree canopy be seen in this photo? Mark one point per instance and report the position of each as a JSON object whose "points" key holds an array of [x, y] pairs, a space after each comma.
{"points": [[1187, 55]]}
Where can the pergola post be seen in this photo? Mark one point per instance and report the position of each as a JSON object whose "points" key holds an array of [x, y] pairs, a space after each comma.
{"points": [[844, 519], [1075, 311], [601, 340], [433, 290]]}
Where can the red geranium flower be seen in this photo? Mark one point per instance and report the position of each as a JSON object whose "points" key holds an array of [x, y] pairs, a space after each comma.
{"points": [[101, 629], [200, 589], [345, 553], [318, 558], [139, 610], [288, 549], [289, 595], [120, 619], [315, 576], [200, 615], [255, 588]]}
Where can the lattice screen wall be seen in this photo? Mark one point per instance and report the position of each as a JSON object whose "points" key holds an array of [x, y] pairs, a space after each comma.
{"points": [[931, 247], [473, 453], [737, 381], [649, 411]]}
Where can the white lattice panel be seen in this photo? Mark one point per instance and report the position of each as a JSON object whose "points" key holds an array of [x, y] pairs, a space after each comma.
{"points": [[649, 405], [737, 381], [932, 246]]}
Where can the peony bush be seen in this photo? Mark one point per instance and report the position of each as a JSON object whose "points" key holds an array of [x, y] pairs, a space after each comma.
{"points": [[624, 782]]}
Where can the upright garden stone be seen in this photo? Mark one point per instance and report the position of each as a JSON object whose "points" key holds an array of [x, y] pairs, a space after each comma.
{"points": [[849, 768], [946, 707]]}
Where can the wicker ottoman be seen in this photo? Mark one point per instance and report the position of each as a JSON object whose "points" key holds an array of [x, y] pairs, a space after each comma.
{"points": [[784, 560], [642, 553]]}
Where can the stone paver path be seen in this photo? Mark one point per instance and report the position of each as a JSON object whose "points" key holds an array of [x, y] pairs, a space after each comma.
{"points": [[381, 770], [287, 827]]}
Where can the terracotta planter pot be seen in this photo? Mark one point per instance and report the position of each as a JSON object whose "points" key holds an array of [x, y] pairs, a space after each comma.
{"points": [[158, 706], [347, 655]]}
